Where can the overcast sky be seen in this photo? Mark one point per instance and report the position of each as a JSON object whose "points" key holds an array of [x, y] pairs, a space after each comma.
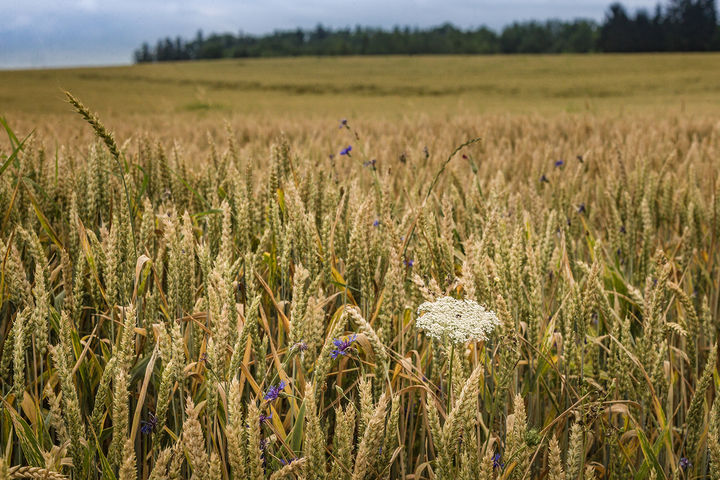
{"points": [[38, 33]]}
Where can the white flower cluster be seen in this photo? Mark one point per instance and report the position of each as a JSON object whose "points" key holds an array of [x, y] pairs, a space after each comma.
{"points": [[459, 321]]}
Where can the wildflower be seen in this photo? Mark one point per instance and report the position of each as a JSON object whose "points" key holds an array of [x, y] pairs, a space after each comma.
{"points": [[685, 463], [376, 223], [497, 462], [459, 320], [544, 179], [284, 462], [265, 418], [581, 208], [149, 425], [300, 347], [274, 392], [559, 163], [343, 347], [346, 150], [370, 163], [622, 229], [343, 123], [409, 263], [204, 360]]}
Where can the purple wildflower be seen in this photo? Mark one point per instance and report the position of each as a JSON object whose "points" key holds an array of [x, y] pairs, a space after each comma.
{"points": [[343, 347], [685, 463], [370, 163], [265, 418], [284, 462], [497, 462], [376, 223], [346, 150], [274, 392], [343, 123], [149, 425], [544, 179], [410, 263], [581, 208], [559, 163]]}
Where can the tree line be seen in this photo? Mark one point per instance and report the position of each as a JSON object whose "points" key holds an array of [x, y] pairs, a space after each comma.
{"points": [[680, 25]]}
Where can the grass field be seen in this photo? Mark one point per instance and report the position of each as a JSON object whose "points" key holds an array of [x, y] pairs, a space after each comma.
{"points": [[239, 285]]}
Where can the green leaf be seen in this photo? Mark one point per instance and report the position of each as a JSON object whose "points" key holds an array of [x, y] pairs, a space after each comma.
{"points": [[106, 468], [15, 152], [43, 220], [650, 456], [11, 134], [28, 442], [206, 213], [296, 434]]}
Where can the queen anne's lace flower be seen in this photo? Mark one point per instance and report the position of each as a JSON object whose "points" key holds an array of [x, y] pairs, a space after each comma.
{"points": [[459, 321]]}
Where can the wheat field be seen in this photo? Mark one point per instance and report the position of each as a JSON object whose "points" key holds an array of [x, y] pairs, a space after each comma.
{"points": [[408, 295]]}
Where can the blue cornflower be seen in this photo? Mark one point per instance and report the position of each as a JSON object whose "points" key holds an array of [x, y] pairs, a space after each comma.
{"points": [[274, 392], [544, 179], [149, 425], [559, 163], [376, 223], [685, 463], [343, 123], [581, 208], [410, 263], [343, 347], [265, 418], [287, 462], [497, 462], [346, 150]]}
